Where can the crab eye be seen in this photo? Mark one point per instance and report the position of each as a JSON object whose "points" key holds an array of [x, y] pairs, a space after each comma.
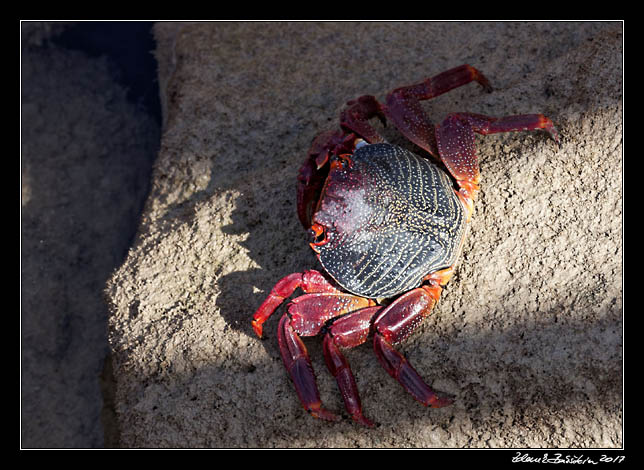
{"points": [[316, 237], [318, 233]]}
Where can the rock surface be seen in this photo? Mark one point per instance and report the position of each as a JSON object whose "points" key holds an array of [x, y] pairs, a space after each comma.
{"points": [[85, 160], [527, 335]]}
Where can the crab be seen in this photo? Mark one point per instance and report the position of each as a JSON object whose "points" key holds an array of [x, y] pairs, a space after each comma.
{"points": [[387, 227]]}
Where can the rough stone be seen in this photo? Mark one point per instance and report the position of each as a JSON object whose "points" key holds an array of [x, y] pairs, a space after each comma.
{"points": [[527, 335]]}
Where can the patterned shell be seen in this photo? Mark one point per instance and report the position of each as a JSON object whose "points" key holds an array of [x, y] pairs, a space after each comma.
{"points": [[392, 218]]}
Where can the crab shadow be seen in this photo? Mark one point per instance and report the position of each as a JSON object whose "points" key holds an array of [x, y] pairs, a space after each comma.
{"points": [[275, 242]]}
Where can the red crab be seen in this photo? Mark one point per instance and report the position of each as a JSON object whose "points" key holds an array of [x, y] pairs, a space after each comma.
{"points": [[387, 228]]}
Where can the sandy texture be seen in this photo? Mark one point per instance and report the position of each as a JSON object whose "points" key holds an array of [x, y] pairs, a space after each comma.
{"points": [[84, 149], [528, 333]]}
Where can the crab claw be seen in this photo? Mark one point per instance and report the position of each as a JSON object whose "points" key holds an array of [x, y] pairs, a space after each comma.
{"points": [[312, 175], [314, 170], [309, 184]]}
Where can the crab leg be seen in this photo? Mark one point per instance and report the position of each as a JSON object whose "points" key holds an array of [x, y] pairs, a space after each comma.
{"points": [[485, 125], [310, 312], [299, 368], [400, 369], [395, 323], [404, 110], [348, 331], [308, 281], [455, 143], [306, 316], [355, 118], [443, 82]]}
